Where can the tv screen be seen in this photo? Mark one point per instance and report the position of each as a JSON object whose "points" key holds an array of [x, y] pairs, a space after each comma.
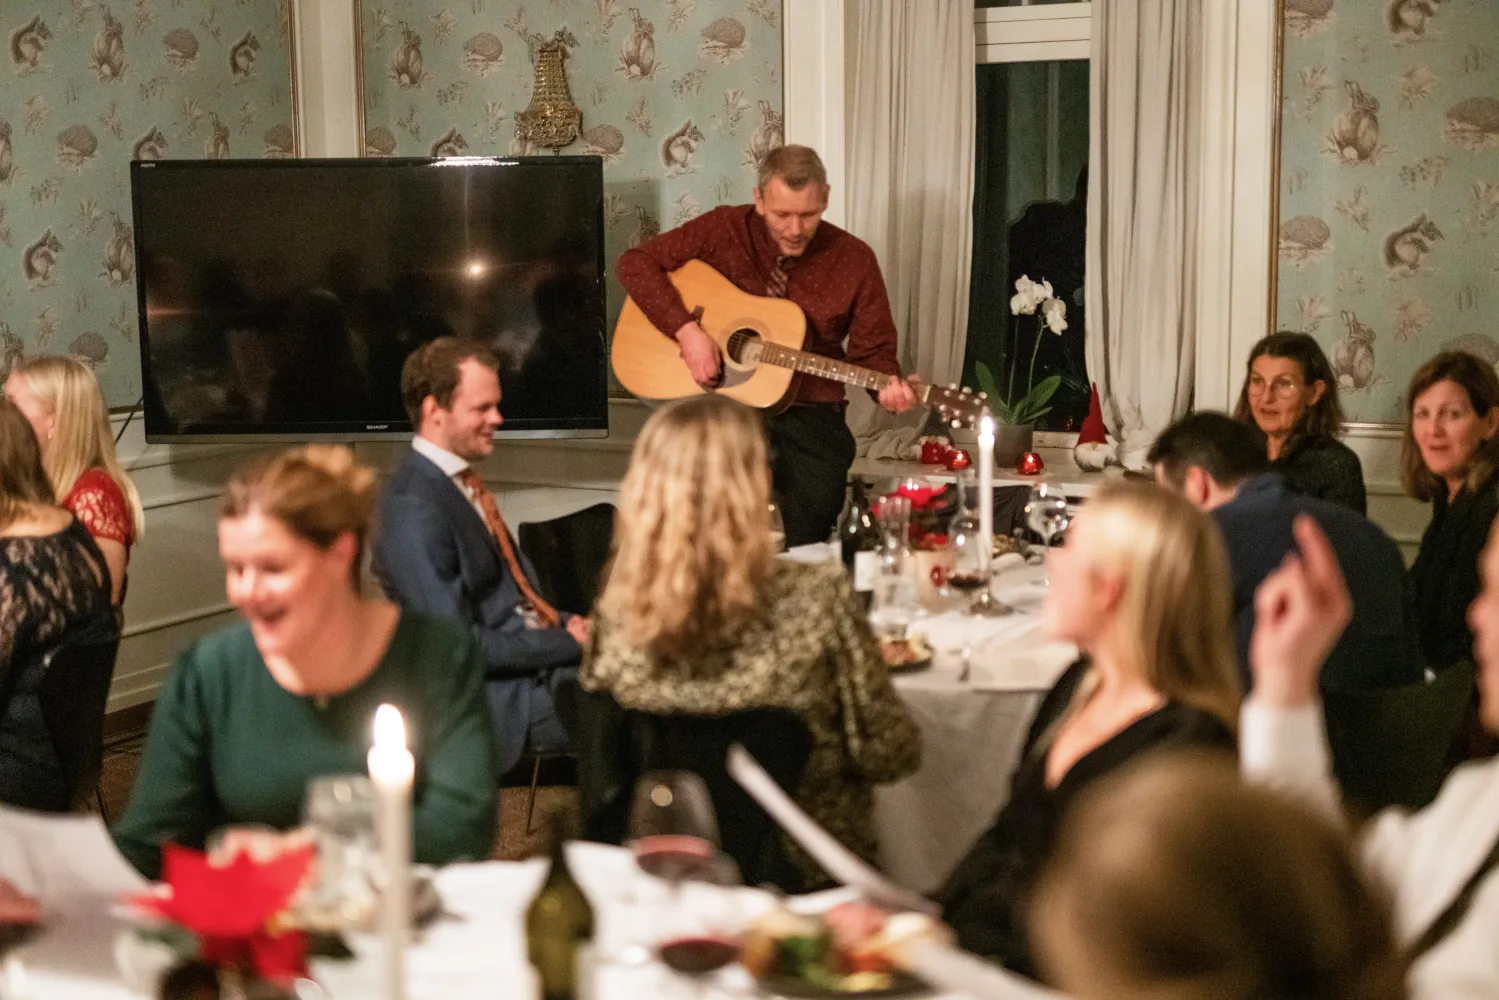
{"points": [[279, 298]]}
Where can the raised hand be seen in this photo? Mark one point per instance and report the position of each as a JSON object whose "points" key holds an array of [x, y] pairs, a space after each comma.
{"points": [[1300, 611]]}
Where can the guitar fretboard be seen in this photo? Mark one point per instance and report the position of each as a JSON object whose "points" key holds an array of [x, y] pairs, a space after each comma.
{"points": [[816, 364]]}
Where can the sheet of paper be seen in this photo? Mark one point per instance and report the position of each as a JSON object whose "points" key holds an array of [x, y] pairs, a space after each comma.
{"points": [[837, 860], [60, 858]]}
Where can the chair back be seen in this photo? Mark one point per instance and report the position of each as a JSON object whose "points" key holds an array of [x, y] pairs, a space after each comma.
{"points": [[569, 554], [619, 745], [1392, 746], [74, 692]]}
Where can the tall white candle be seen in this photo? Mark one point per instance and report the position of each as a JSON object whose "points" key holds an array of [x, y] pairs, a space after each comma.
{"points": [[392, 769], [986, 487]]}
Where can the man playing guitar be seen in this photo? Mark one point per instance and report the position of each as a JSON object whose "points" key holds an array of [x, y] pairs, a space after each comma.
{"points": [[779, 246]]}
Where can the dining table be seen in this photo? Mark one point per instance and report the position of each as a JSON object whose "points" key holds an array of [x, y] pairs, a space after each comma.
{"points": [[973, 722], [475, 948]]}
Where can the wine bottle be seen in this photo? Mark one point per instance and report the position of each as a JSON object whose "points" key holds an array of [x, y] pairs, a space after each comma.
{"points": [[859, 539], [559, 923]]}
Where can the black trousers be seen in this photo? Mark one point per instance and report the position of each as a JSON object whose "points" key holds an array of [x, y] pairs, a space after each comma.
{"points": [[811, 449]]}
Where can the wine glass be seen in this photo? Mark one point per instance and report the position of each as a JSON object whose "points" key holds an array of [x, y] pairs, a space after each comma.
{"points": [[673, 832], [777, 528], [700, 934], [1046, 513]]}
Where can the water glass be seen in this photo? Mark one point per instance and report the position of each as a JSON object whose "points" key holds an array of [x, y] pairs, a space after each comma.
{"points": [[340, 815]]}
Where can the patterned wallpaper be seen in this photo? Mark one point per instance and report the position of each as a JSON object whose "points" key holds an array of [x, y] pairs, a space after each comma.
{"points": [[681, 98], [90, 86], [1389, 201]]}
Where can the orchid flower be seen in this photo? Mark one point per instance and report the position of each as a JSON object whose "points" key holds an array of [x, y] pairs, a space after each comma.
{"points": [[1024, 301], [1055, 311]]}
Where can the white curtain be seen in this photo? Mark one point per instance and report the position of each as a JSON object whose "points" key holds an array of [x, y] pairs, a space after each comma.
{"points": [[910, 180], [1142, 215]]}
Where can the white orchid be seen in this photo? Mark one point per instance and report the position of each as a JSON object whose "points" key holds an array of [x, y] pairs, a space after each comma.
{"points": [[1055, 311], [1029, 295]]}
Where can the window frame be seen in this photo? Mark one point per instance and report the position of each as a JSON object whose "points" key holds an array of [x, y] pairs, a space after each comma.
{"points": [[1034, 33]]}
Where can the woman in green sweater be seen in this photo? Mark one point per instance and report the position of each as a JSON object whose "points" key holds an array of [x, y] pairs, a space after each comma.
{"points": [[250, 714]]}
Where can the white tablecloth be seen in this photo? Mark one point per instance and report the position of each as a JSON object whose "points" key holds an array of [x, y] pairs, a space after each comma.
{"points": [[971, 732], [476, 951]]}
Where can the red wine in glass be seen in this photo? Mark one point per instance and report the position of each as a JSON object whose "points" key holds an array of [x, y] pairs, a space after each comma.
{"points": [[698, 955], [965, 582], [674, 857]]}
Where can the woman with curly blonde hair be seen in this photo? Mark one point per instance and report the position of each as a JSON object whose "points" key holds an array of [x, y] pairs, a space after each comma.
{"points": [[252, 713], [699, 617], [61, 399]]}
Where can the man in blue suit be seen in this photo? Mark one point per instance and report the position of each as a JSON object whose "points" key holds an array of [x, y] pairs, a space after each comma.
{"points": [[1219, 465], [443, 548]]}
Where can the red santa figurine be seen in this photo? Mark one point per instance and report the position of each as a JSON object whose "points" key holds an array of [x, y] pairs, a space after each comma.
{"points": [[1093, 450]]}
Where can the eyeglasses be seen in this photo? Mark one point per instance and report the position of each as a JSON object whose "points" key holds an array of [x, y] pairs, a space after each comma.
{"points": [[1281, 387]]}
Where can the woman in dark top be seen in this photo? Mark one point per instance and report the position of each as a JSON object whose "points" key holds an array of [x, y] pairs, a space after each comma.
{"points": [[1451, 458], [54, 588], [1290, 394], [1142, 587], [252, 713]]}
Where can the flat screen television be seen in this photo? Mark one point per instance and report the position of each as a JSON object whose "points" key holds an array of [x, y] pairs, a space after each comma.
{"points": [[279, 298]]}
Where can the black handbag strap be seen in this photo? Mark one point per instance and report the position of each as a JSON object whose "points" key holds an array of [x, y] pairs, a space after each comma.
{"points": [[1448, 920]]}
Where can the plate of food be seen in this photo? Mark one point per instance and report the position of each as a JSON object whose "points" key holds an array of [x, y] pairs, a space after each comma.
{"points": [[842, 952], [904, 655]]}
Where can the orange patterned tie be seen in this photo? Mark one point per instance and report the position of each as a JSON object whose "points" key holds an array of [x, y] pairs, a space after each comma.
{"points": [[496, 524]]}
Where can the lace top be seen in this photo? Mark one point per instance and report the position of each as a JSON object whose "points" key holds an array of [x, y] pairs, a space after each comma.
{"points": [[52, 587], [808, 649], [97, 500]]}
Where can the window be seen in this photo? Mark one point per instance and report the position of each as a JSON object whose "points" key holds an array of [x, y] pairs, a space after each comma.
{"points": [[1030, 204]]}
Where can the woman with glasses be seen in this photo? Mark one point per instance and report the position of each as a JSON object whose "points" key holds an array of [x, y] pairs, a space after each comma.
{"points": [[1290, 394]]}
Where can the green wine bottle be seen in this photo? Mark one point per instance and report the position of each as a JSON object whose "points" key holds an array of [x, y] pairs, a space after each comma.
{"points": [[558, 924]]}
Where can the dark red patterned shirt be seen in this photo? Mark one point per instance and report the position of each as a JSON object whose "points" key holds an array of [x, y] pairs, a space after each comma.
{"points": [[836, 281]]}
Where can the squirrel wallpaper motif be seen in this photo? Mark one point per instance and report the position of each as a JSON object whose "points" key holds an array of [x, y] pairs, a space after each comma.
{"points": [[89, 87], [652, 79], [1389, 189]]}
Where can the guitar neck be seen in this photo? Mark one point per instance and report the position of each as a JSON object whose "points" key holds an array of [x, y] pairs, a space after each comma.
{"points": [[828, 368]]}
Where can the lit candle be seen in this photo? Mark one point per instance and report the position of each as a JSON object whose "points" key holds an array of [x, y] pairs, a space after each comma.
{"points": [[986, 489], [391, 771]]}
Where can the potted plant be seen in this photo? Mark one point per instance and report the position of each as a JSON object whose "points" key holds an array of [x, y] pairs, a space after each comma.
{"points": [[1015, 415]]}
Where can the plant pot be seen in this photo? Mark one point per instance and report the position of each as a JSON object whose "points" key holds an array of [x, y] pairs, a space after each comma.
{"points": [[1010, 442]]}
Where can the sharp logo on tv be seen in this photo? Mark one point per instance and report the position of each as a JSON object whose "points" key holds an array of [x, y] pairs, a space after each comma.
{"points": [[292, 315]]}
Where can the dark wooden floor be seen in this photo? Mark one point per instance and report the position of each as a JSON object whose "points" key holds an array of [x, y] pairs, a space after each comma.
{"points": [[122, 762]]}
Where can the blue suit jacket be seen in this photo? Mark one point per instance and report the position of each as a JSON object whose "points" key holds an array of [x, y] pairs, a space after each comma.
{"points": [[434, 553], [1378, 649]]}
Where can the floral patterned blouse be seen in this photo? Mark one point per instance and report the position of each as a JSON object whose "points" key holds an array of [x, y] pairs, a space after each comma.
{"points": [[97, 500], [808, 650]]}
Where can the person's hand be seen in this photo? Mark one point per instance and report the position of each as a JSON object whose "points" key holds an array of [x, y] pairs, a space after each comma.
{"points": [[700, 351], [577, 626], [16, 907], [897, 396], [1300, 611]]}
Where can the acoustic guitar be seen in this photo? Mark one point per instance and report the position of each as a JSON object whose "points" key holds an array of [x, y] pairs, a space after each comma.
{"points": [[760, 345]]}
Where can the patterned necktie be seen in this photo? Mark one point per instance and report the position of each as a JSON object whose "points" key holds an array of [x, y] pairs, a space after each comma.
{"points": [[496, 525], [779, 282]]}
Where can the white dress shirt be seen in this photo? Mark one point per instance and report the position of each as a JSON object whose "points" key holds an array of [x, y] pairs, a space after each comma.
{"points": [[452, 466], [1424, 858]]}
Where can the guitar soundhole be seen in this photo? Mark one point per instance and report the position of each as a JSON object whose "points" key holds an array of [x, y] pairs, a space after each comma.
{"points": [[744, 347]]}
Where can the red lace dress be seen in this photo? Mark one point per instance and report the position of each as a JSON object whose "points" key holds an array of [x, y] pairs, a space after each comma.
{"points": [[98, 502]]}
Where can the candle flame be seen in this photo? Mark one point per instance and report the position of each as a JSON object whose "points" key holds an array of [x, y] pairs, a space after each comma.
{"points": [[390, 729], [986, 426]]}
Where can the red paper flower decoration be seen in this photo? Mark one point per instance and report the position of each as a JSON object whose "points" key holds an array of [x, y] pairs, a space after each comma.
{"points": [[231, 907], [921, 497]]}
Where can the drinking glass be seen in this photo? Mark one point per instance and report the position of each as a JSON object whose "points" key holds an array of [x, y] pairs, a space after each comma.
{"points": [[339, 813], [673, 832], [701, 935], [1046, 513], [893, 604], [777, 528]]}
